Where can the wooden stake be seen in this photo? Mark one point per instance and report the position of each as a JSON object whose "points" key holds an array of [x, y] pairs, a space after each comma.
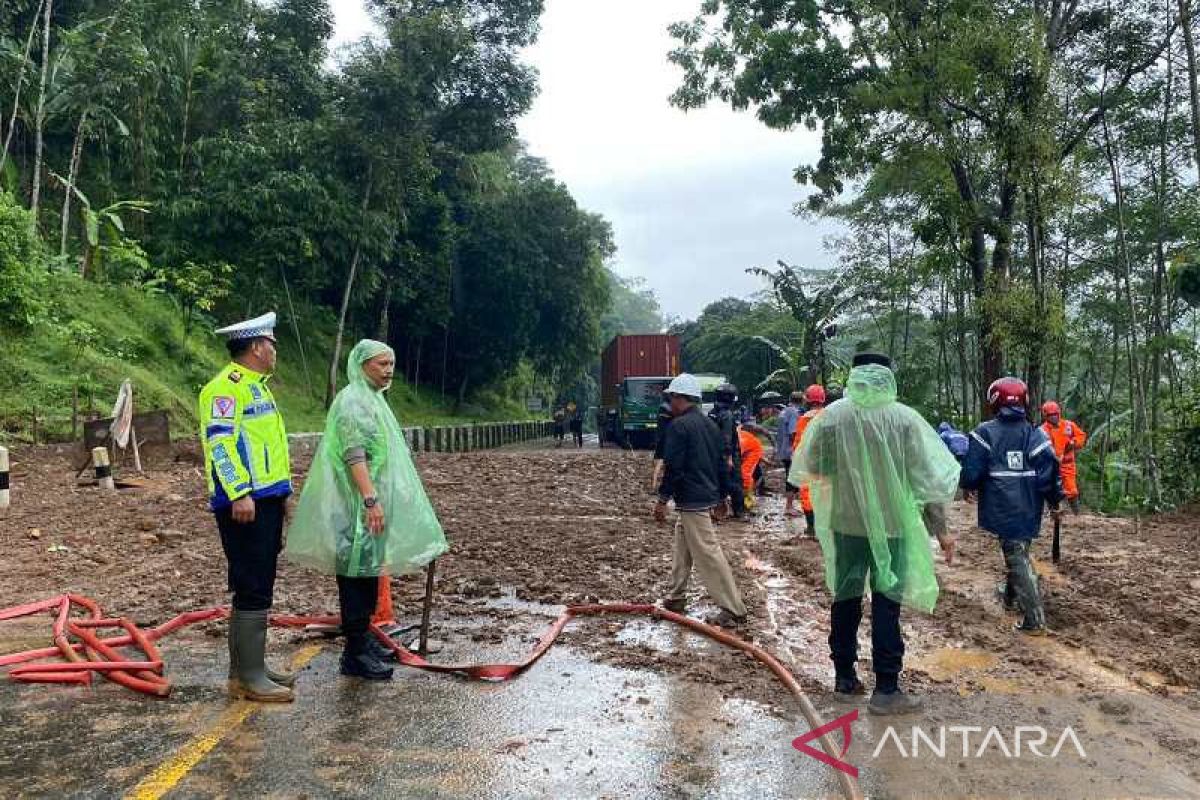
{"points": [[4, 490], [423, 644], [103, 469]]}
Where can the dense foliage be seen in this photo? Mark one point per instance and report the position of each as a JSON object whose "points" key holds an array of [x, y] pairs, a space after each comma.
{"points": [[220, 153], [1018, 179]]}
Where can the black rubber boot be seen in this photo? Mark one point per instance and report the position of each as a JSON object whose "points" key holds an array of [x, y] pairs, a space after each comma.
{"points": [[358, 661], [380, 650]]}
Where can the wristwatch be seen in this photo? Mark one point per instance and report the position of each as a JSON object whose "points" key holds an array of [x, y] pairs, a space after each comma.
{"points": [[370, 502]]}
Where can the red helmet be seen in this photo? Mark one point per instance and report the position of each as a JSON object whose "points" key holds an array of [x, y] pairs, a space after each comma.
{"points": [[1010, 392], [815, 395], [1051, 409]]}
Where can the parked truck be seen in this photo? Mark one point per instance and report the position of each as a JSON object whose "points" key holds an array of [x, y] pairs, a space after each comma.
{"points": [[634, 373]]}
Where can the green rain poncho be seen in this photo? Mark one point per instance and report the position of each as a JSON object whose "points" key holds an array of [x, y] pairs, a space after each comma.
{"points": [[328, 531], [872, 465]]}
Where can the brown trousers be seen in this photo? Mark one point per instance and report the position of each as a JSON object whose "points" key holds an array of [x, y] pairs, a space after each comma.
{"points": [[696, 545]]}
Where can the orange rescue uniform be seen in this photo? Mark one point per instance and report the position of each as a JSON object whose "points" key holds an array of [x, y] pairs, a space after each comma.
{"points": [[752, 454], [1068, 439], [798, 437]]}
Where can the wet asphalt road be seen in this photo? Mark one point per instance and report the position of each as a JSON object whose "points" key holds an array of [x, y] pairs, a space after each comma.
{"points": [[567, 728]]}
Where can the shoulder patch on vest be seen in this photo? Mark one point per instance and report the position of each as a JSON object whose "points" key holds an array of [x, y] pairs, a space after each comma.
{"points": [[235, 377]]}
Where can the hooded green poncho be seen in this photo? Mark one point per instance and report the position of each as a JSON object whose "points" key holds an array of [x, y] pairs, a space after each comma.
{"points": [[328, 531], [872, 465]]}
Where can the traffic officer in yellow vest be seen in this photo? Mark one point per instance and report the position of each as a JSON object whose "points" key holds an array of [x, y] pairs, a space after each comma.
{"points": [[249, 480]]}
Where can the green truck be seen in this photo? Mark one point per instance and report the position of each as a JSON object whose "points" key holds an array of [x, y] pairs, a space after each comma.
{"points": [[634, 373]]}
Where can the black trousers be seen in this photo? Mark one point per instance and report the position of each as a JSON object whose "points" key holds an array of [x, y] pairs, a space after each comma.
{"points": [[356, 599], [252, 552], [853, 562], [577, 433], [731, 487]]}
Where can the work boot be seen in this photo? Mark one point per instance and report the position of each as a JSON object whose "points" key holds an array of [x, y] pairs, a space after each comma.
{"points": [[287, 679], [886, 704], [358, 661], [848, 688], [679, 606], [1030, 628], [248, 644], [728, 619]]}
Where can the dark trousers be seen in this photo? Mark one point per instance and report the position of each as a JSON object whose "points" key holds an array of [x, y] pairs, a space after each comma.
{"points": [[356, 599], [252, 552], [737, 494], [577, 433], [853, 562]]}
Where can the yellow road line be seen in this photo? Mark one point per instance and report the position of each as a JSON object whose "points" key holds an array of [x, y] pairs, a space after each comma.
{"points": [[175, 769]]}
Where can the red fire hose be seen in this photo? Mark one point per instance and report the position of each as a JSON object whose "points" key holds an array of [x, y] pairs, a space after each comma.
{"points": [[144, 675]]}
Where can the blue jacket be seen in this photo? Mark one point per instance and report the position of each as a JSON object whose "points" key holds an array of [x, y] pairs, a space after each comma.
{"points": [[1011, 463]]}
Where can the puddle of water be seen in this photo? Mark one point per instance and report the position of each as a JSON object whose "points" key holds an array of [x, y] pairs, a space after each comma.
{"points": [[946, 663]]}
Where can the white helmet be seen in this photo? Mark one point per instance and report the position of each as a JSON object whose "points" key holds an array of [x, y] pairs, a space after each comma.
{"points": [[686, 386]]}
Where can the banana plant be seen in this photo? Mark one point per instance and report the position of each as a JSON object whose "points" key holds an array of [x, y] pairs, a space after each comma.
{"points": [[98, 221]]}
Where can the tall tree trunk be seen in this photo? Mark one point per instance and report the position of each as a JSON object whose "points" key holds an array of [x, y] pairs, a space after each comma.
{"points": [[16, 106], [1189, 43], [383, 330], [39, 117], [72, 173], [336, 357], [1137, 394]]}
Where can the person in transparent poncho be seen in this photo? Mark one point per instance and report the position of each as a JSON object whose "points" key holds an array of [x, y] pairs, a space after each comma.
{"points": [[364, 512], [877, 473]]}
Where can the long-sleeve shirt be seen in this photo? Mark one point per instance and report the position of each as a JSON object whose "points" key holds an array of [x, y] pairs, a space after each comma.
{"points": [[692, 454]]}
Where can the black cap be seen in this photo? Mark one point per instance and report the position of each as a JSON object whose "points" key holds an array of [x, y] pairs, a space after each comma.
{"points": [[863, 359]]}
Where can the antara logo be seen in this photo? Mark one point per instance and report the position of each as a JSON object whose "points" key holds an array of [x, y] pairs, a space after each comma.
{"points": [[976, 742]]}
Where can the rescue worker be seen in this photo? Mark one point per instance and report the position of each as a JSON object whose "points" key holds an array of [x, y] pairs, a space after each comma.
{"points": [[814, 398], [752, 455], [873, 464], [248, 470], [692, 457], [955, 440], [1068, 439], [723, 414], [785, 431], [364, 512], [1012, 466]]}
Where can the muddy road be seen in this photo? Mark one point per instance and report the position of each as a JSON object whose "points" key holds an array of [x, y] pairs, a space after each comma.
{"points": [[533, 530]]}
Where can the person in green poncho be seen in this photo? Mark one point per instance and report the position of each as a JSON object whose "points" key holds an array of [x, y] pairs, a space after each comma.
{"points": [[364, 511], [876, 471]]}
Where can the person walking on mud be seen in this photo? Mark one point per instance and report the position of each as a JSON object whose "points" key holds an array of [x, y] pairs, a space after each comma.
{"points": [[364, 512], [785, 432], [693, 456], [248, 470], [577, 427], [1011, 465], [560, 426], [872, 465]]}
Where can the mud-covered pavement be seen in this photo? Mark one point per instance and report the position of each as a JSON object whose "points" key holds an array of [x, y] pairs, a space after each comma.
{"points": [[619, 707]]}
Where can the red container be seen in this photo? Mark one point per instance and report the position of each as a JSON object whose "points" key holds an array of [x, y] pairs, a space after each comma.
{"points": [[653, 355]]}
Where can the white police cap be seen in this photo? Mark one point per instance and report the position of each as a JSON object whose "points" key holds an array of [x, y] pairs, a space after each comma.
{"points": [[259, 327]]}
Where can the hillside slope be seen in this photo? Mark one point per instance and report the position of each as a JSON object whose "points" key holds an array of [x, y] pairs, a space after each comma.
{"points": [[94, 336]]}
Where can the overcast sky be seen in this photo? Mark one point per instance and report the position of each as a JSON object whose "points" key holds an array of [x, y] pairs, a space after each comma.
{"points": [[695, 199]]}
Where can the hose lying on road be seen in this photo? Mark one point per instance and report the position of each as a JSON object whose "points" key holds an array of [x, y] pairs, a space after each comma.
{"points": [[93, 655]]}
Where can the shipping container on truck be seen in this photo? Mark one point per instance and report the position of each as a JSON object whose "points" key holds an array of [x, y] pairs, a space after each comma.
{"points": [[634, 371]]}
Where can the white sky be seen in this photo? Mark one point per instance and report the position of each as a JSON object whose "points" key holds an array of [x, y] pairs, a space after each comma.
{"points": [[695, 199]]}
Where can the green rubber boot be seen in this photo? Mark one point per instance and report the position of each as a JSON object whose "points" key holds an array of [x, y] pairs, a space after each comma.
{"points": [[287, 679], [247, 649]]}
